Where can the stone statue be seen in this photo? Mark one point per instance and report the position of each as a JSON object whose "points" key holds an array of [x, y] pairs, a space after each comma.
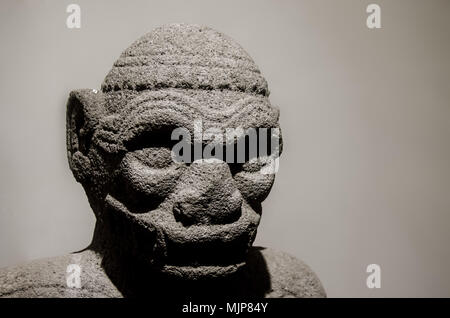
{"points": [[165, 226]]}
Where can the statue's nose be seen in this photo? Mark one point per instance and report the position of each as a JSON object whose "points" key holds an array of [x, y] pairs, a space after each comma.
{"points": [[206, 194]]}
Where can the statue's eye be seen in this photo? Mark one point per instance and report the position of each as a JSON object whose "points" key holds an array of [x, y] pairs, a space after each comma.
{"points": [[235, 167], [152, 157], [144, 178], [151, 148], [252, 165]]}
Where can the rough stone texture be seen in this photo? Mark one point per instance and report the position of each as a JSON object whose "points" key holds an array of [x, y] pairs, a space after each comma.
{"points": [[268, 273], [168, 227]]}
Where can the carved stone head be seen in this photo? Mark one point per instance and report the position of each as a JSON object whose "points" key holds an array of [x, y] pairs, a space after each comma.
{"points": [[188, 219]]}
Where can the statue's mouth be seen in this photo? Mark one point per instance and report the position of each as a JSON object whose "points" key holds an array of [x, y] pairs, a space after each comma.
{"points": [[194, 251]]}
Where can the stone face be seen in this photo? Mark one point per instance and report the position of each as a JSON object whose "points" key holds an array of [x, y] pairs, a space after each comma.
{"points": [[182, 227]]}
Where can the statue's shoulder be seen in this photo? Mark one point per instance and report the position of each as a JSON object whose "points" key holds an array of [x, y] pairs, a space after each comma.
{"points": [[289, 276], [74, 275]]}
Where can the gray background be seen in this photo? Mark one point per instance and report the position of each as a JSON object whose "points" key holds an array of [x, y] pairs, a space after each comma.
{"points": [[365, 176]]}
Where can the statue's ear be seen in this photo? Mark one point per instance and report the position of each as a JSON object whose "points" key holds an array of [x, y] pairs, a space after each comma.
{"points": [[85, 108]]}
